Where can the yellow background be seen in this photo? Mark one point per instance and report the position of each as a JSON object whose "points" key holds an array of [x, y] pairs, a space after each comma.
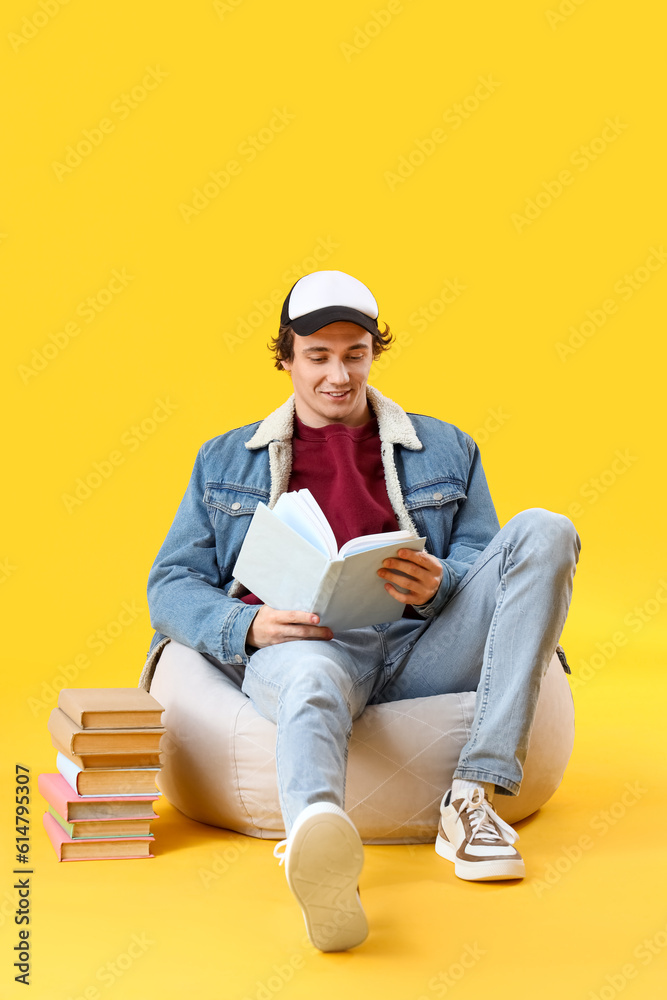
{"points": [[356, 96]]}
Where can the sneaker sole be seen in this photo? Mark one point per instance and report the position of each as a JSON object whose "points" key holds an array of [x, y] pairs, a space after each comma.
{"points": [[480, 871], [325, 860]]}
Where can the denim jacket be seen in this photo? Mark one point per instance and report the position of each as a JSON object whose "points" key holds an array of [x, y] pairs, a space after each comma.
{"points": [[435, 483]]}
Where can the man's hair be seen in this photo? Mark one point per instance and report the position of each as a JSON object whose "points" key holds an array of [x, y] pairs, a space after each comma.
{"points": [[282, 346]]}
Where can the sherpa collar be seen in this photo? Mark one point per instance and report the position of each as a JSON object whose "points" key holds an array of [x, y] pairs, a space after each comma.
{"points": [[394, 424]]}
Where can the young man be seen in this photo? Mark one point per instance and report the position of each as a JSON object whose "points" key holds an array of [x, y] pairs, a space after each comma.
{"points": [[484, 606]]}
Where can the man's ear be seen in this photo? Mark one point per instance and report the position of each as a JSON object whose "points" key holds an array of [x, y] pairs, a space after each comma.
{"points": [[287, 365]]}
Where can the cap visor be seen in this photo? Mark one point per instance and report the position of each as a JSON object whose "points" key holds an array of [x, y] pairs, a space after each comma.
{"points": [[315, 320]]}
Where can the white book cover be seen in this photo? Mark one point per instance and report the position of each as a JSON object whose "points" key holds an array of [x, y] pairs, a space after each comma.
{"points": [[289, 559]]}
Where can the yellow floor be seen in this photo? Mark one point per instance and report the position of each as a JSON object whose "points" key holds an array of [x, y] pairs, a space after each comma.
{"points": [[211, 913]]}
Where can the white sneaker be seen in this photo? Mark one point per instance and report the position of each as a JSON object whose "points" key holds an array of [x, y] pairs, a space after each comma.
{"points": [[323, 858], [477, 840]]}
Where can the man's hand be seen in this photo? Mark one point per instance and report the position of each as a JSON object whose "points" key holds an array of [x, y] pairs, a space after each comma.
{"points": [[270, 627], [424, 575]]}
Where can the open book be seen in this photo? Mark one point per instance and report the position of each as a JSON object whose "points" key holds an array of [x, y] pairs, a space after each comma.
{"points": [[290, 560]]}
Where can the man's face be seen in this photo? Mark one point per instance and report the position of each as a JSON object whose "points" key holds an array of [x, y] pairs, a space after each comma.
{"points": [[329, 375]]}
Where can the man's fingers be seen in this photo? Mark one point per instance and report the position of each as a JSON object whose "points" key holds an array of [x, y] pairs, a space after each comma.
{"points": [[270, 626], [423, 576], [418, 573], [401, 569], [395, 569], [422, 559], [296, 617], [289, 625], [415, 560], [408, 565], [288, 634], [408, 598]]}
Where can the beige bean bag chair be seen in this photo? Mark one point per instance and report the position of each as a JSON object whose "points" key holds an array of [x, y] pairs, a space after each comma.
{"points": [[219, 753]]}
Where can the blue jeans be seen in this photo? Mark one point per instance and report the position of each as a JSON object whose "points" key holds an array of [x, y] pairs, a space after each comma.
{"points": [[496, 636]]}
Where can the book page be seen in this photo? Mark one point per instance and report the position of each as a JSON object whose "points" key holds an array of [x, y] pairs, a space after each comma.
{"points": [[365, 542], [300, 511]]}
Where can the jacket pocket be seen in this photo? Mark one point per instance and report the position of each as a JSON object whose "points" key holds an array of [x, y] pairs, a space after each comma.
{"points": [[435, 494], [233, 499], [432, 507]]}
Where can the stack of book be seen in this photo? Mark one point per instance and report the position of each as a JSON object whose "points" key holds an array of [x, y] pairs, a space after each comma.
{"points": [[101, 798]]}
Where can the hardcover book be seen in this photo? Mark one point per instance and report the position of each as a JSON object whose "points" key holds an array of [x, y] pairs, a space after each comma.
{"points": [[92, 761], [290, 560], [118, 781], [99, 848], [78, 740], [110, 708], [100, 829], [72, 807]]}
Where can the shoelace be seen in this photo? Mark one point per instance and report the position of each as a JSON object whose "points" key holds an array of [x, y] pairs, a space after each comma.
{"points": [[484, 821], [277, 853]]}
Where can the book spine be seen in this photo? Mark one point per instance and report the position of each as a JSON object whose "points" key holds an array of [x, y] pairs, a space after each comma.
{"points": [[67, 827], [69, 770], [326, 588], [49, 787], [62, 728], [62, 748], [67, 703]]}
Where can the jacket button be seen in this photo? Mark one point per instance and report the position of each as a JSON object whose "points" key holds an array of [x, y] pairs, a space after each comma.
{"points": [[437, 496], [236, 506]]}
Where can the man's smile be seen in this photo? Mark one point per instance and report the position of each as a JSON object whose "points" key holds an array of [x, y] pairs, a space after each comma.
{"points": [[336, 395]]}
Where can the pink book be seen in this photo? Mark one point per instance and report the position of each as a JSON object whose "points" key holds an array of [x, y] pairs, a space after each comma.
{"points": [[72, 807], [94, 849]]}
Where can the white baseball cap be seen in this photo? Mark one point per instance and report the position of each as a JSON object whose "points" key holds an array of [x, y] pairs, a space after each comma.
{"points": [[325, 297]]}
